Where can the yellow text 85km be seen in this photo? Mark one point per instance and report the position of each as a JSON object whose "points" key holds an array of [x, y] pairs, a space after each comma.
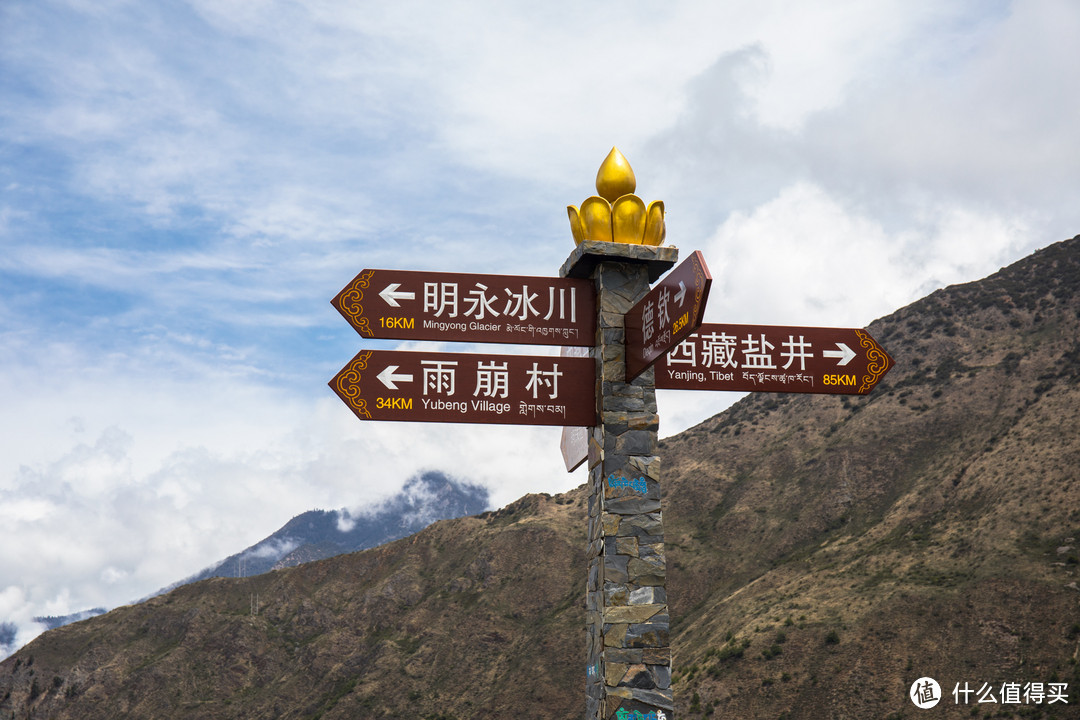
{"points": [[396, 322], [393, 403], [838, 380]]}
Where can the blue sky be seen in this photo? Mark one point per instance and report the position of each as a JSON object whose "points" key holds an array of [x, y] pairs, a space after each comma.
{"points": [[185, 185]]}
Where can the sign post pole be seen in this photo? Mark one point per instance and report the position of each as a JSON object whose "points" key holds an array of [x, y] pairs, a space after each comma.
{"points": [[628, 647], [628, 666]]}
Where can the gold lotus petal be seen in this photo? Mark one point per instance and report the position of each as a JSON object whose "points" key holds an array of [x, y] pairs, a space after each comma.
{"points": [[628, 220], [615, 177], [577, 228], [596, 219], [655, 229]]}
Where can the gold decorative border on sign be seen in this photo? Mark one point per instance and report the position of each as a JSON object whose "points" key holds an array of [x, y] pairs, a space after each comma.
{"points": [[347, 384], [350, 302], [878, 361], [699, 288]]}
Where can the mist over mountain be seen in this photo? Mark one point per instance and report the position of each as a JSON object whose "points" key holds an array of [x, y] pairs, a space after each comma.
{"points": [[8, 631], [52, 622], [823, 553], [319, 534]]}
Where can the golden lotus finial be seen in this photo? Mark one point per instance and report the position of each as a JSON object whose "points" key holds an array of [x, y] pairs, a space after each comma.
{"points": [[616, 214], [615, 177]]}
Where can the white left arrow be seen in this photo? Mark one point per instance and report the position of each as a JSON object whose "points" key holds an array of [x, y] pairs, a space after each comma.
{"points": [[844, 353], [388, 378], [391, 295]]}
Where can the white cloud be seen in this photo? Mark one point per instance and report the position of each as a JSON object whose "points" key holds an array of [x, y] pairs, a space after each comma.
{"points": [[978, 118], [808, 258], [817, 54], [18, 612], [190, 183], [194, 471], [25, 510], [112, 575], [275, 549]]}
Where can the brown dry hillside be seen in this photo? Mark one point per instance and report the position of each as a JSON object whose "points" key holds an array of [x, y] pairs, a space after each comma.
{"points": [[823, 553], [828, 552]]}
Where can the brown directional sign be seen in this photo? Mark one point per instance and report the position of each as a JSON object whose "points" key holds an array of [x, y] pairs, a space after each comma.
{"points": [[667, 314], [469, 388], [461, 307], [770, 358]]}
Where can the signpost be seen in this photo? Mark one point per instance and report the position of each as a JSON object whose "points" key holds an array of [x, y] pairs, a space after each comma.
{"points": [[612, 327], [770, 358], [668, 313], [462, 307], [468, 388]]}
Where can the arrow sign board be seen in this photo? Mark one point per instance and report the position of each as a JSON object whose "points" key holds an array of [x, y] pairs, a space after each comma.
{"points": [[769, 358], [668, 314], [460, 307], [469, 388]]}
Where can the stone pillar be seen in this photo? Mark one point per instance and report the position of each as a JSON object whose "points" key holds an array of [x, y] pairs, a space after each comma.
{"points": [[628, 648]]}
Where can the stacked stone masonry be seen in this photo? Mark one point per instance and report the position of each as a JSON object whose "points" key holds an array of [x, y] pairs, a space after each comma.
{"points": [[628, 667]]}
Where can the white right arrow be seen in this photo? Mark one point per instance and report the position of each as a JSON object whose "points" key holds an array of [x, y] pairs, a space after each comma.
{"points": [[388, 378], [844, 353], [681, 295], [391, 295]]}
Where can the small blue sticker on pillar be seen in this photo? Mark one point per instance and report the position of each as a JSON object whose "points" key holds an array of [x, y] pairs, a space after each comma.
{"points": [[623, 714], [637, 484]]}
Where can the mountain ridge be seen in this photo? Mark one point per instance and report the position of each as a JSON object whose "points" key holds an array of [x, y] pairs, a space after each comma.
{"points": [[318, 534], [823, 553]]}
